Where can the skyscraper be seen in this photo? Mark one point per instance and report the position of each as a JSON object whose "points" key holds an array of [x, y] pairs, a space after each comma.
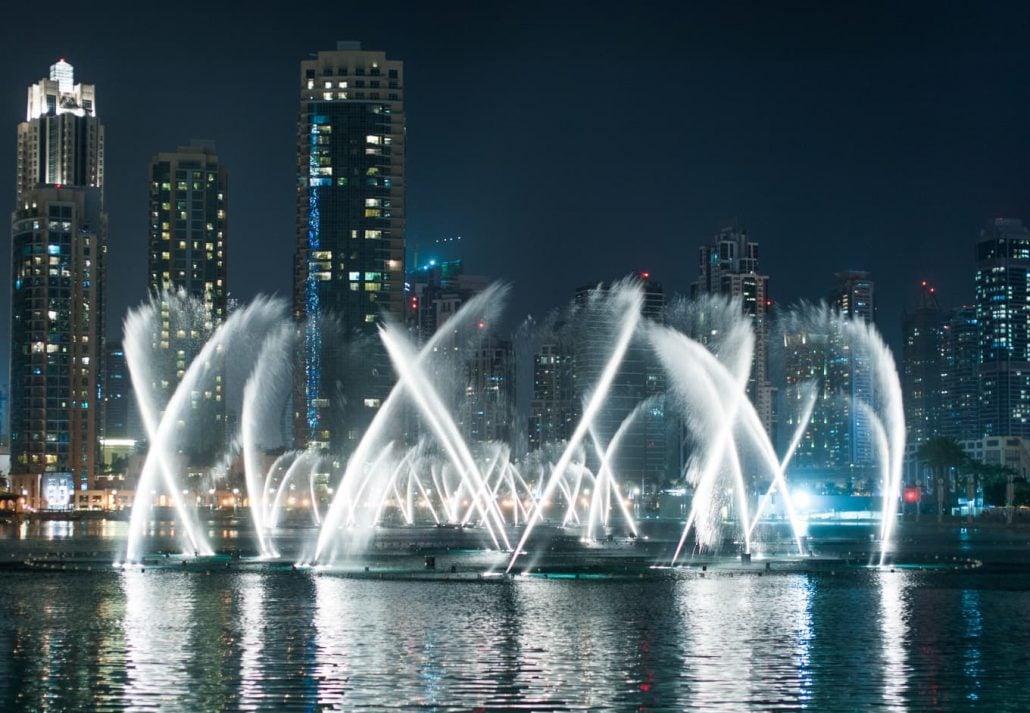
{"points": [[922, 367], [837, 444], [61, 141], [349, 261], [1003, 317], [189, 204], [850, 371], [729, 266], [486, 410], [554, 410], [960, 386], [59, 242]]}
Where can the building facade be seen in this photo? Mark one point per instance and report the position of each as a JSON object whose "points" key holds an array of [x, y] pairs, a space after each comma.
{"points": [[728, 266], [59, 243], [922, 367], [554, 410], [188, 275], [1003, 319], [960, 375], [349, 259], [850, 371]]}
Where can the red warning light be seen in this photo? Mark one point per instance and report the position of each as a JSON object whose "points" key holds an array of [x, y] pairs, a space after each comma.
{"points": [[911, 494]]}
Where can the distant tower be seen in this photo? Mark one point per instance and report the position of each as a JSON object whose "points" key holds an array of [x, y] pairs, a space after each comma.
{"points": [[554, 410], [189, 204], [922, 367], [729, 266], [1003, 317], [486, 410], [121, 418], [850, 373], [59, 244], [349, 261], [960, 387]]}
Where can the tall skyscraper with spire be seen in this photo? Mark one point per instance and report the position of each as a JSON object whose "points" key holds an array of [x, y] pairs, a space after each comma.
{"points": [[349, 260], [59, 244]]}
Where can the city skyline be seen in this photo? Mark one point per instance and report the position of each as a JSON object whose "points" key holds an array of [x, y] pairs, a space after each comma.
{"points": [[928, 167]]}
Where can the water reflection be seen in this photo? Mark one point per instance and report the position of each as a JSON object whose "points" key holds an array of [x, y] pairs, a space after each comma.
{"points": [[166, 639], [252, 623], [748, 643], [893, 630], [971, 658], [158, 615]]}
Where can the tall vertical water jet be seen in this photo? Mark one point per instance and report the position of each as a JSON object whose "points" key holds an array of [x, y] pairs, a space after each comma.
{"points": [[247, 323], [271, 370]]}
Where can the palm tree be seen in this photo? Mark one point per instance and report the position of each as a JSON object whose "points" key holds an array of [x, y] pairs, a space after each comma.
{"points": [[944, 456]]}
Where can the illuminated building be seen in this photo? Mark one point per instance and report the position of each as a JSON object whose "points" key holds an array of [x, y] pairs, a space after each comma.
{"points": [[188, 212], [59, 243], [554, 410], [486, 409], [121, 417], [1003, 319], [349, 259], [960, 387], [61, 141], [837, 444], [850, 372], [435, 291], [922, 367], [728, 266]]}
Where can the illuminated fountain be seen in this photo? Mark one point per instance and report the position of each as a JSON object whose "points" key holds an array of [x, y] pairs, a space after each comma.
{"points": [[442, 479]]}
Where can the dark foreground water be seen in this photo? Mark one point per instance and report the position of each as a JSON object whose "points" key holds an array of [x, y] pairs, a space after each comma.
{"points": [[275, 639]]}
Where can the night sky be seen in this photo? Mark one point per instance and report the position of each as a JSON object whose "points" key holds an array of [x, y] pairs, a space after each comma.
{"points": [[568, 143]]}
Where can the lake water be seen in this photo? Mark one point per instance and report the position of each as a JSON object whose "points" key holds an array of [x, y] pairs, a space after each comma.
{"points": [[235, 638]]}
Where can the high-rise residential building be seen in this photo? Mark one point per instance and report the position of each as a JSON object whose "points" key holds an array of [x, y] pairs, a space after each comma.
{"points": [[554, 410], [349, 260], [728, 266], [486, 410], [1003, 318], [59, 243], [960, 384], [850, 371], [837, 443], [922, 367], [121, 417], [189, 204]]}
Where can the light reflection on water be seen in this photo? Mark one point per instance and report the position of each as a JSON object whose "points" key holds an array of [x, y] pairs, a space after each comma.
{"points": [[282, 640], [893, 591]]}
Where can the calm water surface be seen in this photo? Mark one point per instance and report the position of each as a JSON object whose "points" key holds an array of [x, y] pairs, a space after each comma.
{"points": [[283, 640]]}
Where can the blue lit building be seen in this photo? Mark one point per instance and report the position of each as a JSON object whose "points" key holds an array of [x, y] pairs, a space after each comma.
{"points": [[349, 260], [1003, 318]]}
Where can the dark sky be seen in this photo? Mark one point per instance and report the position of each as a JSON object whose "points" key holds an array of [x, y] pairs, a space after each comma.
{"points": [[573, 142]]}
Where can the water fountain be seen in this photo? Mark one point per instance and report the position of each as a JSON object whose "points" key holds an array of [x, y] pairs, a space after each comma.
{"points": [[504, 495]]}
